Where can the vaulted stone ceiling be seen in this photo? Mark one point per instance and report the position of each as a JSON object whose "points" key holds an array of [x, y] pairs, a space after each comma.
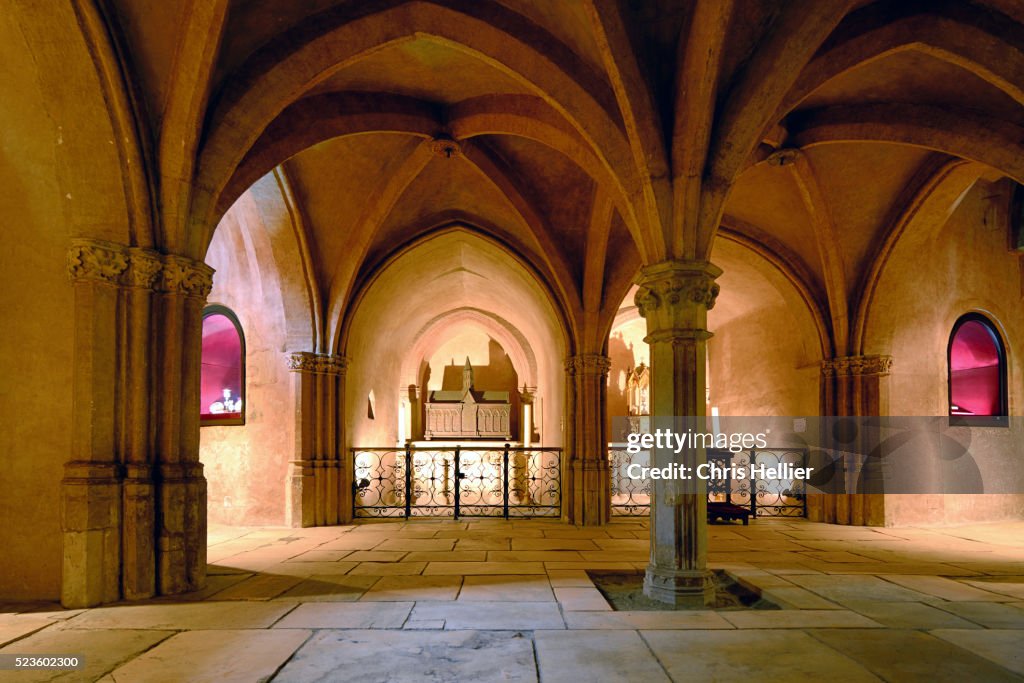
{"points": [[590, 136]]}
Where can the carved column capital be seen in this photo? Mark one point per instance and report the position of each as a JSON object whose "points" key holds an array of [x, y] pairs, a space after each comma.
{"points": [[846, 366], [183, 275], [120, 265], [675, 296], [317, 363], [145, 268], [527, 395], [98, 261], [588, 364]]}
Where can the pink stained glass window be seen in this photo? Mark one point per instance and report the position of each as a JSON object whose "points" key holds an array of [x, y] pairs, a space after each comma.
{"points": [[222, 387], [977, 369]]}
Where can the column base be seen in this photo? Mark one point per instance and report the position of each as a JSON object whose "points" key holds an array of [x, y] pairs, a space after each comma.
{"points": [[301, 494], [181, 538], [91, 524], [680, 588]]}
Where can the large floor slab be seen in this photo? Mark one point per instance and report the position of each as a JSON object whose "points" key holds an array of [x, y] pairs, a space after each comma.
{"points": [[858, 587], [414, 588], [214, 657], [762, 656], [1004, 647], [912, 615], [413, 657], [885, 653], [14, 626], [348, 615], [491, 615], [506, 588], [101, 651], [183, 617], [573, 656]]}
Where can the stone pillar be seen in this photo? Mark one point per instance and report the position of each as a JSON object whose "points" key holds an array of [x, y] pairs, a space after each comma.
{"points": [[133, 495], [674, 298], [320, 481], [853, 386], [416, 394], [181, 486], [406, 415], [526, 400], [586, 400], [91, 488]]}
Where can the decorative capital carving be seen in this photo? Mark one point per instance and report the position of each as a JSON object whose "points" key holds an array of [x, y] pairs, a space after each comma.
{"points": [[527, 394], [856, 365], [184, 276], [588, 364], [144, 268], [117, 264], [676, 295], [97, 261], [317, 363]]}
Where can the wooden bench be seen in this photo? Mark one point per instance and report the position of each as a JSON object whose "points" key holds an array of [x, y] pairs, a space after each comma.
{"points": [[727, 512]]}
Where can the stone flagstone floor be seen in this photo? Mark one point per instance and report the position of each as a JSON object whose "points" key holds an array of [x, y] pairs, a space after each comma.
{"points": [[510, 601]]}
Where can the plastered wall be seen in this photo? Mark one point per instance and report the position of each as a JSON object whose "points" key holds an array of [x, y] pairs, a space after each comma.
{"points": [[246, 466], [936, 274]]}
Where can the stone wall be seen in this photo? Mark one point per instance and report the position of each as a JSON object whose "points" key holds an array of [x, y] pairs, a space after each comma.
{"points": [[936, 274], [246, 466]]}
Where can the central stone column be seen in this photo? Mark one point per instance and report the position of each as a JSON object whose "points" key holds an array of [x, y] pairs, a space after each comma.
{"points": [[586, 391], [674, 298]]}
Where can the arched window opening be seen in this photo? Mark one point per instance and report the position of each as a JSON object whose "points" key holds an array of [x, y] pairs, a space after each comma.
{"points": [[222, 392], [977, 372]]}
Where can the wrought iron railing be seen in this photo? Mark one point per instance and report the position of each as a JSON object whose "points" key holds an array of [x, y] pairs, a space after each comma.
{"points": [[771, 498], [457, 481], [629, 497]]}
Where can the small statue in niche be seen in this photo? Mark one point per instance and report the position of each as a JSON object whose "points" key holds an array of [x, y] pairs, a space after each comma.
{"points": [[227, 404]]}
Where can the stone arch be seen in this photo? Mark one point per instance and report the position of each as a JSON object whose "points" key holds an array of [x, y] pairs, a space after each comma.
{"points": [[522, 355], [980, 44], [770, 335], [339, 324], [451, 274], [333, 40], [264, 273]]}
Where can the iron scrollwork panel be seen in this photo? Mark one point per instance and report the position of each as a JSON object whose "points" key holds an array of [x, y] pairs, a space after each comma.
{"points": [[780, 497], [480, 483], [379, 482], [433, 484], [535, 485], [630, 497]]}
